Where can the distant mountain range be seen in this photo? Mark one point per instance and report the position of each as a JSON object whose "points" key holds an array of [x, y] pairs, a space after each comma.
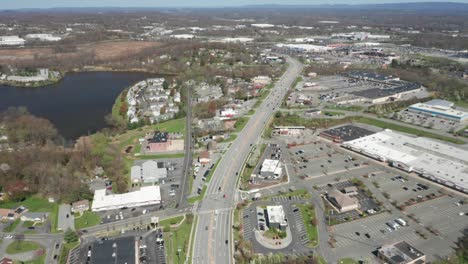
{"points": [[420, 6]]}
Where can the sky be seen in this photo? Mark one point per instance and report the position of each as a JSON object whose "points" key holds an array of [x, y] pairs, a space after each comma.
{"points": [[15, 4]]}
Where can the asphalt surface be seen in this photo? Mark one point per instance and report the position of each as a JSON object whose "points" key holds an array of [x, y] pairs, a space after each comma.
{"points": [[181, 195], [213, 241]]}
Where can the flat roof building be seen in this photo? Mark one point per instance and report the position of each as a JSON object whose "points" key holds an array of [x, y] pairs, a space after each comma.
{"points": [[148, 172], [147, 195], [431, 159], [440, 108], [276, 217], [271, 169], [401, 253]]}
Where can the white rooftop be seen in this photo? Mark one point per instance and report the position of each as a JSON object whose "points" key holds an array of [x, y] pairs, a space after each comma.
{"points": [[276, 214], [440, 107], [429, 157], [145, 196], [269, 165]]}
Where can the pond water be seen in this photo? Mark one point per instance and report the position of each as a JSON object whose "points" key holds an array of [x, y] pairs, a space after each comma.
{"points": [[78, 104]]}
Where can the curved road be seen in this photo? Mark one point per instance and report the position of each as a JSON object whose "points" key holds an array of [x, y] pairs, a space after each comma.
{"points": [[213, 242]]}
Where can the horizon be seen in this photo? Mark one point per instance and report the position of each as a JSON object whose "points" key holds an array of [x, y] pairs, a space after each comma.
{"points": [[49, 4]]}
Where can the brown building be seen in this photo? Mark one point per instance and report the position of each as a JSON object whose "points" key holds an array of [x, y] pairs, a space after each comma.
{"points": [[341, 201]]}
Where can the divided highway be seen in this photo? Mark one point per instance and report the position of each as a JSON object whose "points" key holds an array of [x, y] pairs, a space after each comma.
{"points": [[213, 242]]}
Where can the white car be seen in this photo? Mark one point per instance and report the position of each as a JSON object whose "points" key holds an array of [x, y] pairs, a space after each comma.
{"points": [[461, 213], [89, 253], [8, 237]]}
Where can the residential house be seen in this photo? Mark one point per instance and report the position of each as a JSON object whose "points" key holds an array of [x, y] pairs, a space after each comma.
{"points": [[34, 216], [80, 206]]}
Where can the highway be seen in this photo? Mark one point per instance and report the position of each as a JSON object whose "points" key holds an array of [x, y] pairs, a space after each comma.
{"points": [[213, 241]]}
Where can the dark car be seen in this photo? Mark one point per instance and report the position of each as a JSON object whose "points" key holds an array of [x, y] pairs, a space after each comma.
{"points": [[367, 235]]}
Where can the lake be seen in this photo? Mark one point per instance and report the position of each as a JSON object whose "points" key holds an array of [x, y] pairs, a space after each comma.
{"points": [[78, 104]]}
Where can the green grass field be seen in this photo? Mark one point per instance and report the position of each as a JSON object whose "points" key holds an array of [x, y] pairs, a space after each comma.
{"points": [[22, 246], [240, 124], [65, 251], [171, 221], [36, 204], [131, 136], [87, 219], [404, 129], [308, 214], [177, 241], [347, 261]]}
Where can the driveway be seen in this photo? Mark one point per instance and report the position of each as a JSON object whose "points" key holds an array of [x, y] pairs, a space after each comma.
{"points": [[64, 222]]}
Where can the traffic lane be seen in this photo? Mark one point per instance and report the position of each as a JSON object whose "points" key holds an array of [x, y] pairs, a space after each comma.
{"points": [[208, 203], [223, 246], [201, 238]]}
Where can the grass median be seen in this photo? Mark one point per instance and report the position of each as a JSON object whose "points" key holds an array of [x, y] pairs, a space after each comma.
{"points": [[310, 222]]}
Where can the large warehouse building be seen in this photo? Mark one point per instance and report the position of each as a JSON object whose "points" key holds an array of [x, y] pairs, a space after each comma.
{"points": [[440, 108], [148, 195], [431, 159]]}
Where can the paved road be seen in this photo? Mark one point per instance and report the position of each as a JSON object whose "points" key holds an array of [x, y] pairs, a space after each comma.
{"points": [[181, 201], [215, 212]]}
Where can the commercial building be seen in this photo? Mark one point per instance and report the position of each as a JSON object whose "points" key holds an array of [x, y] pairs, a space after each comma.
{"points": [[147, 195], [149, 172], [401, 253], [304, 47], [271, 169], [204, 157], [11, 41], [431, 159], [162, 142], [341, 201], [43, 37], [80, 206], [289, 130], [440, 108], [345, 133], [276, 217]]}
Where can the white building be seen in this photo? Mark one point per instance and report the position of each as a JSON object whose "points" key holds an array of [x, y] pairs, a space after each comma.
{"points": [[148, 172], [276, 217], [11, 41], [304, 47], [43, 37], [42, 75], [431, 159], [271, 169], [148, 195], [440, 108]]}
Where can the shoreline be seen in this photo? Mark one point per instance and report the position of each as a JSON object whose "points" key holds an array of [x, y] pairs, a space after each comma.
{"points": [[83, 70]]}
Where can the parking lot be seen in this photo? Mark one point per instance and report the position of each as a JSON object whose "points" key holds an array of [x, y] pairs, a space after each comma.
{"points": [[446, 215], [429, 121], [319, 158], [152, 249], [367, 204], [254, 219], [403, 190], [170, 185]]}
